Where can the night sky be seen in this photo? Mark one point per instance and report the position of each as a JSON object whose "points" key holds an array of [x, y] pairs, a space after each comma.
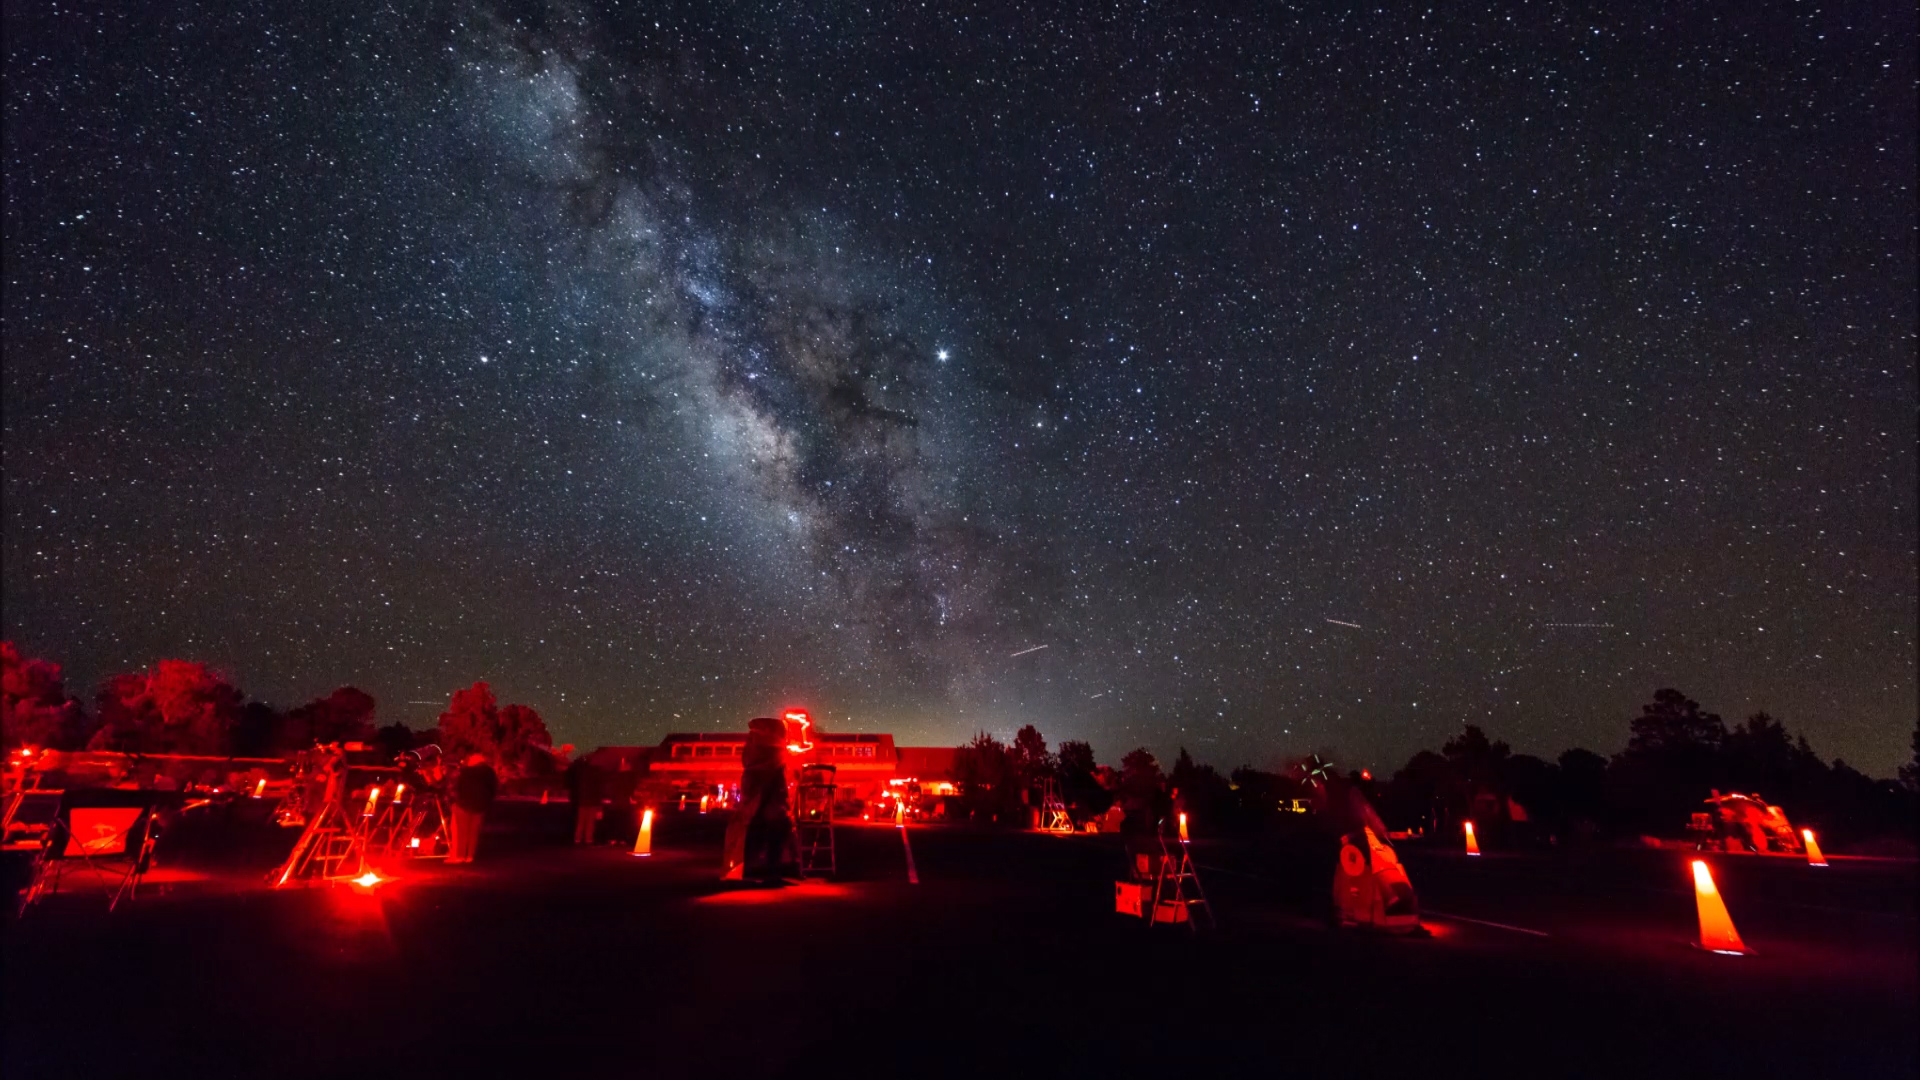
{"points": [[1301, 378]]}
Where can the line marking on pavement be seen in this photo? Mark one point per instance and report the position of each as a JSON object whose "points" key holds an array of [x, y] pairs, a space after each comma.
{"points": [[913, 876], [1224, 870], [1483, 922]]}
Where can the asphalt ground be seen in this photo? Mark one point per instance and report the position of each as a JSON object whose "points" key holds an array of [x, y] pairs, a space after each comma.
{"points": [[1005, 959]]}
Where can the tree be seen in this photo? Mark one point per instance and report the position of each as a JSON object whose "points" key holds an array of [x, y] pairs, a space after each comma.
{"points": [[346, 715], [1140, 772], [471, 723], [261, 731], [1671, 763], [1534, 785], [1674, 723], [395, 739], [1080, 786], [989, 782], [1583, 787], [1477, 760], [514, 739], [1076, 759], [1203, 792], [174, 707], [34, 707], [1910, 772], [1030, 757], [1426, 793], [1258, 795], [525, 743]]}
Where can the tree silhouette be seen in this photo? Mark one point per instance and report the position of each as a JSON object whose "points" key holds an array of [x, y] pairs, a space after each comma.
{"points": [[514, 739], [1079, 784], [34, 707], [1910, 772], [1030, 757], [346, 715], [174, 707], [989, 782], [1140, 772]]}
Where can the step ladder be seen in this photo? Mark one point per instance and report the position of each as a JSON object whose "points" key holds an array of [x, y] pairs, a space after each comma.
{"points": [[421, 831], [1053, 812], [331, 848], [1177, 893], [813, 820]]}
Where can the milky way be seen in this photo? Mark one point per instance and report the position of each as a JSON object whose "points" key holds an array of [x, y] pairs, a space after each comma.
{"points": [[1259, 381]]}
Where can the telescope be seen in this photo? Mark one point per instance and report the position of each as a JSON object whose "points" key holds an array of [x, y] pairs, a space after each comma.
{"points": [[425, 755]]}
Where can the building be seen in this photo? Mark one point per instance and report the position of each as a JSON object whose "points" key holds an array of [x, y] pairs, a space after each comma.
{"points": [[864, 765]]}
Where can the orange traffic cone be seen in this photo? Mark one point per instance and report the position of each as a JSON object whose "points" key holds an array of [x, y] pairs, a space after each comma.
{"points": [[1473, 844], [1716, 926], [1814, 858], [643, 843]]}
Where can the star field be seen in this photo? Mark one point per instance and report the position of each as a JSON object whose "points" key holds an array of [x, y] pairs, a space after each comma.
{"points": [[1303, 378]]}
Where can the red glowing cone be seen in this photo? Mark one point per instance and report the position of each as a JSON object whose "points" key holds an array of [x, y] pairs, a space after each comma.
{"points": [[643, 843], [1716, 926], [1473, 844], [1814, 858]]}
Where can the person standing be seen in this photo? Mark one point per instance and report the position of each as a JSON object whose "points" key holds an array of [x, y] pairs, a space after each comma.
{"points": [[755, 833], [770, 853], [583, 790], [473, 793], [621, 824]]}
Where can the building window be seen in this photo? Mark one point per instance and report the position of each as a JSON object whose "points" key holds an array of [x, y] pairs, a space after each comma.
{"points": [[682, 751], [863, 751], [703, 751]]}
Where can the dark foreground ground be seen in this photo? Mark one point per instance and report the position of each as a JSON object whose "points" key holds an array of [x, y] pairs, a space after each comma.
{"points": [[1004, 960]]}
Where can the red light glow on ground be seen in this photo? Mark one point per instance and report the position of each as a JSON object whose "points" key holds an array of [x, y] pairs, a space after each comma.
{"points": [[810, 890]]}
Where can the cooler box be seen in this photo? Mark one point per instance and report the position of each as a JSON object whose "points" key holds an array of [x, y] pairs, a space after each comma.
{"points": [[1132, 898]]}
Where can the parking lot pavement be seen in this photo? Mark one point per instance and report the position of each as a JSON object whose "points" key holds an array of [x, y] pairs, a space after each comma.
{"points": [[1005, 958]]}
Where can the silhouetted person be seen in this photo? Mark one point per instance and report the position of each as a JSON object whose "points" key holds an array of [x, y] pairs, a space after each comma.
{"points": [[759, 834], [621, 824], [473, 793], [584, 792]]}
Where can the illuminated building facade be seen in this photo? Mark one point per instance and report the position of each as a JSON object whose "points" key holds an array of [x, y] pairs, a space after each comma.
{"points": [[864, 765]]}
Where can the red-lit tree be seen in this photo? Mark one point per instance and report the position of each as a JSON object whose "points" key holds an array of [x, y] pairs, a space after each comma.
{"points": [[34, 707], [525, 744], [174, 707], [513, 738]]}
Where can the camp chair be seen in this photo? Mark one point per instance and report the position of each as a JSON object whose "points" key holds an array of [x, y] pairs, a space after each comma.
{"points": [[27, 817], [109, 831]]}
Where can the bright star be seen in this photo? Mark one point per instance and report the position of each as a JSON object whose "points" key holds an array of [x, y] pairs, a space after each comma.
{"points": [[941, 355]]}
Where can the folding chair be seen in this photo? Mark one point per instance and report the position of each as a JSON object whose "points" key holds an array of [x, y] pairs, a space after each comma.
{"points": [[28, 816], [108, 831]]}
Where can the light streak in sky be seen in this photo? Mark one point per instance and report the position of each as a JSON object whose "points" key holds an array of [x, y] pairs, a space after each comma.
{"points": [[1355, 625], [1024, 652]]}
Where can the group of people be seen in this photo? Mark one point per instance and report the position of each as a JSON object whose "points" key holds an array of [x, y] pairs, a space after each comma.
{"points": [[603, 801]]}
